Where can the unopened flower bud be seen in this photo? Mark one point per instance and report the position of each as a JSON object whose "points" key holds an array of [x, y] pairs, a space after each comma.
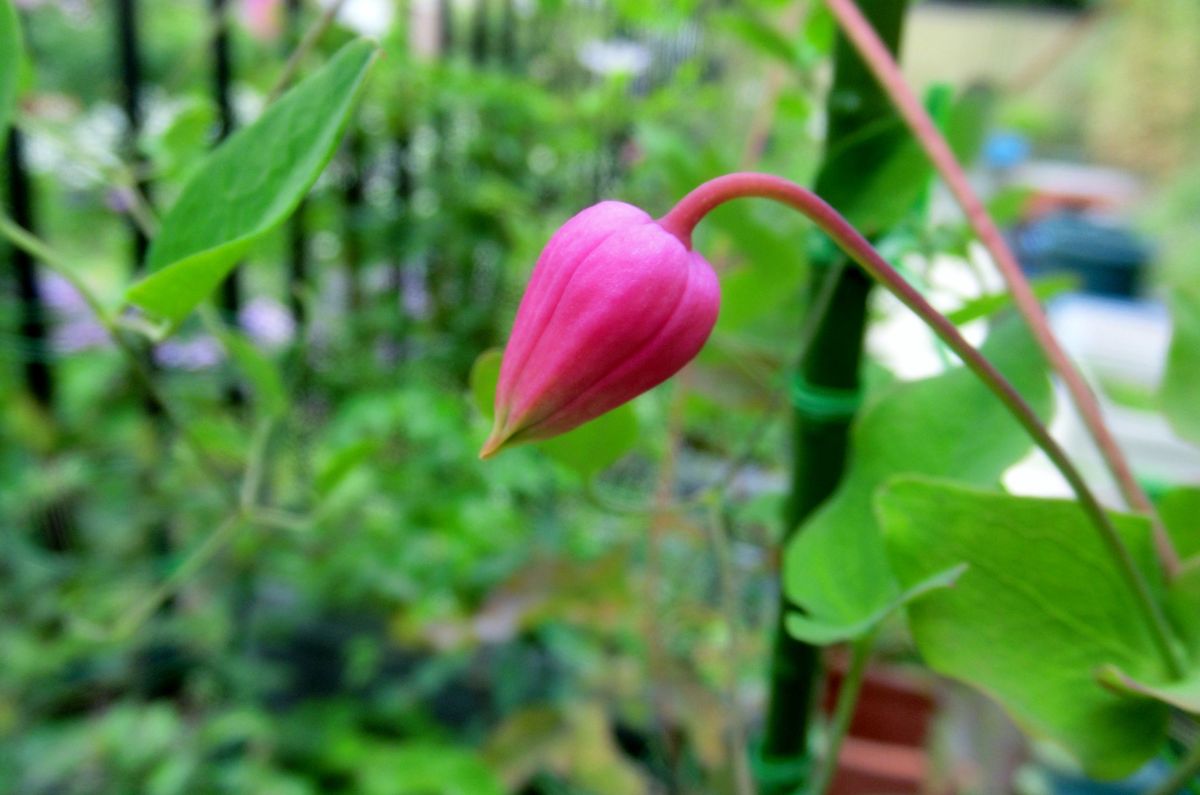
{"points": [[616, 305]]}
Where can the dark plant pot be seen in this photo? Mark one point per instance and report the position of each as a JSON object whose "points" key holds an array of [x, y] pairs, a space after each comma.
{"points": [[885, 749], [866, 767]]}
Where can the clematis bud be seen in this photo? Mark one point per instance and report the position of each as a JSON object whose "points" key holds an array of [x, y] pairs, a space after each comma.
{"points": [[616, 305]]}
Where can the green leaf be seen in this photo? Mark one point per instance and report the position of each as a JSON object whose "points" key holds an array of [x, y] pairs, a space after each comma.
{"points": [[485, 374], [889, 191], [589, 449], [836, 570], [595, 446], [1184, 694], [262, 373], [179, 149], [425, 768], [759, 35], [1179, 509], [10, 65], [249, 185], [1183, 605], [883, 195], [966, 121], [1181, 382], [774, 268], [1041, 608], [814, 631], [1007, 204], [342, 462], [1044, 287]]}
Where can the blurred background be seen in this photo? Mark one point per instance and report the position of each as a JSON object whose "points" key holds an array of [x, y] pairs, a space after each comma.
{"points": [[580, 619]]}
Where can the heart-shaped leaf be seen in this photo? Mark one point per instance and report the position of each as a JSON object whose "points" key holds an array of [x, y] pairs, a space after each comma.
{"points": [[1041, 609]]}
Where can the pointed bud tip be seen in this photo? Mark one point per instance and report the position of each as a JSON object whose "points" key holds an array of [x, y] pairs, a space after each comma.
{"points": [[494, 444]]}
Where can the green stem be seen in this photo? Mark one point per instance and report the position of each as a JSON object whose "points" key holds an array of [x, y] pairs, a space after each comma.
{"points": [[255, 463], [719, 528], [24, 240], [36, 248], [682, 219], [1187, 770], [843, 712], [195, 560]]}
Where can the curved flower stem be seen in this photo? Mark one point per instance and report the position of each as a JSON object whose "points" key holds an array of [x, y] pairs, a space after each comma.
{"points": [[682, 219], [873, 52]]}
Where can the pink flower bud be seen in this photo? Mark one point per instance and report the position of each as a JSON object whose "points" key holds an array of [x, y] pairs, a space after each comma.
{"points": [[616, 305]]}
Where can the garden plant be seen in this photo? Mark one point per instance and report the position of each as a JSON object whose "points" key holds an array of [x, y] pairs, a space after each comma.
{"points": [[297, 573]]}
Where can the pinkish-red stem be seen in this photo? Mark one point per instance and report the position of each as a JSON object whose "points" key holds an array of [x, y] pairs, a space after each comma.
{"points": [[682, 219], [872, 50]]}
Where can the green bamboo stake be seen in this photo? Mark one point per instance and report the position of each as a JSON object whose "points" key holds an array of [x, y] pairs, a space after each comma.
{"points": [[827, 382]]}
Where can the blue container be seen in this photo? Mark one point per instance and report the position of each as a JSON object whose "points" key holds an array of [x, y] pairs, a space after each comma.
{"points": [[1108, 259]]}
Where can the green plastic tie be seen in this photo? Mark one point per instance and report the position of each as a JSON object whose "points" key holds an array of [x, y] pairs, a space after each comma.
{"points": [[824, 402], [779, 774]]}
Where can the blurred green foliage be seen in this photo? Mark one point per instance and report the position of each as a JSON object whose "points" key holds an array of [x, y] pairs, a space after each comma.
{"points": [[389, 615]]}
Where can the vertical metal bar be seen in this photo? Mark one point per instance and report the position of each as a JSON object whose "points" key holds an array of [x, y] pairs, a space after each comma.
{"points": [[508, 33], [53, 521], [353, 208], [34, 328], [131, 103], [446, 27], [297, 275], [479, 31], [405, 184], [231, 288], [231, 292]]}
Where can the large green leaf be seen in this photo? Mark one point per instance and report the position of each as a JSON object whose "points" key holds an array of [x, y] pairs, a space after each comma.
{"points": [[1181, 383], [950, 426], [820, 633], [589, 449], [1180, 512], [1183, 606], [249, 185], [10, 64], [1041, 608]]}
